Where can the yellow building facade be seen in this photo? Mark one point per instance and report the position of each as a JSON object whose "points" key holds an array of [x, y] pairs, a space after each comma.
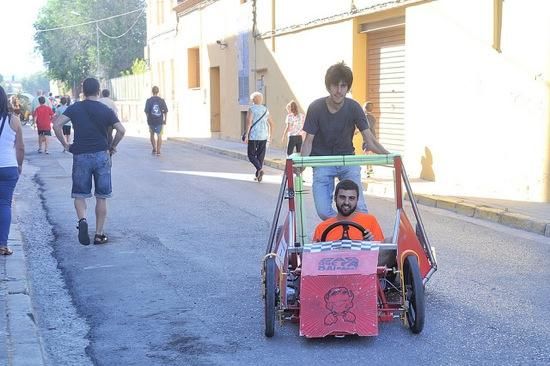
{"points": [[160, 54], [460, 87]]}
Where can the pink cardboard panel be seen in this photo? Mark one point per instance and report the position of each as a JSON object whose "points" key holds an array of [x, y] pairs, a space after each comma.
{"points": [[336, 305], [339, 262]]}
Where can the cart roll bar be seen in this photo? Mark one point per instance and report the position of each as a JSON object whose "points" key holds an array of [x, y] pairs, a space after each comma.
{"points": [[276, 215], [342, 160], [425, 242], [301, 235], [392, 159]]}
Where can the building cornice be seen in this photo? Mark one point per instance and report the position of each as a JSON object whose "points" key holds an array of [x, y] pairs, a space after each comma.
{"points": [[353, 13], [187, 6]]}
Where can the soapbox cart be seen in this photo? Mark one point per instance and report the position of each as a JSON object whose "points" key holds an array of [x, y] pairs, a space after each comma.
{"points": [[346, 286]]}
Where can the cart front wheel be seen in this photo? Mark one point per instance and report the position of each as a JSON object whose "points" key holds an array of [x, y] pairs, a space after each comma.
{"points": [[270, 297], [414, 295]]}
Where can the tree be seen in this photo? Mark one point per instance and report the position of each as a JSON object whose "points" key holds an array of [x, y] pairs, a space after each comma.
{"points": [[71, 52], [36, 81], [139, 66]]}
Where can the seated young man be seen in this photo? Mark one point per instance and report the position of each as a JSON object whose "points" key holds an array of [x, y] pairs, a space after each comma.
{"points": [[346, 196]]}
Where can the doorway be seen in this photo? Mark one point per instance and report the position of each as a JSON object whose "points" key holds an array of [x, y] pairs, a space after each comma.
{"points": [[386, 85], [215, 108]]}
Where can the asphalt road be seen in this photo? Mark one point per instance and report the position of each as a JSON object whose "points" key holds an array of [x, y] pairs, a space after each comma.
{"points": [[179, 282]]}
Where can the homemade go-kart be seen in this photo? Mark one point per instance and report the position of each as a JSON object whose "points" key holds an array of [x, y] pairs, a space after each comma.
{"points": [[346, 286]]}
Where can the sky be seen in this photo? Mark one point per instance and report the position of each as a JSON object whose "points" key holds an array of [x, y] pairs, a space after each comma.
{"points": [[16, 26]]}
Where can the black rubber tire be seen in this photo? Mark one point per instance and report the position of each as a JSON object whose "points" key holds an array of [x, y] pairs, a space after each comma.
{"points": [[270, 299], [414, 293]]}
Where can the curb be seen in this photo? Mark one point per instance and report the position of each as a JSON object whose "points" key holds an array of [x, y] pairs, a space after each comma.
{"points": [[273, 163], [23, 343], [483, 212], [456, 205]]}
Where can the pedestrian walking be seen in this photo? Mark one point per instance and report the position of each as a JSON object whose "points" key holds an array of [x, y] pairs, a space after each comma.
{"points": [[330, 124], [12, 152], [64, 103], [106, 99], [258, 132], [368, 108], [15, 106], [293, 128], [91, 156], [43, 118], [35, 102], [156, 112]]}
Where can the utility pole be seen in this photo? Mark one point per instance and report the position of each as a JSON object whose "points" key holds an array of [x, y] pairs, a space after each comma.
{"points": [[97, 46]]}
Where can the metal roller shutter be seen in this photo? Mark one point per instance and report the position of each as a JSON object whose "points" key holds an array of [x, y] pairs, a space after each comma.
{"points": [[386, 85]]}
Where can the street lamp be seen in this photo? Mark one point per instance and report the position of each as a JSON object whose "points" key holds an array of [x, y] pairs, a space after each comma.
{"points": [[96, 40]]}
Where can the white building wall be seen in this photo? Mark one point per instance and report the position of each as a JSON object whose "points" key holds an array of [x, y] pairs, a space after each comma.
{"points": [[195, 30], [482, 114]]}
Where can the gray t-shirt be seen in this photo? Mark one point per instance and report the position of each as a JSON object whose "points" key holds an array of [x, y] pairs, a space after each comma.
{"points": [[334, 131]]}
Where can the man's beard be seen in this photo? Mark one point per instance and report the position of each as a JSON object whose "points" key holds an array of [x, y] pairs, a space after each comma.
{"points": [[346, 210]]}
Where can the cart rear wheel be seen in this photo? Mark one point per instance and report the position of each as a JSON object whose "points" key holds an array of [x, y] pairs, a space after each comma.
{"points": [[414, 295], [270, 297]]}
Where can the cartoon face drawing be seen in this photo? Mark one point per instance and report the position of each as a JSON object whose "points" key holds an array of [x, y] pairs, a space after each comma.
{"points": [[339, 301]]}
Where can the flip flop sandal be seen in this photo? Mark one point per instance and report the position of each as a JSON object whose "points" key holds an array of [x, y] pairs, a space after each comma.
{"points": [[100, 239], [5, 251], [83, 236]]}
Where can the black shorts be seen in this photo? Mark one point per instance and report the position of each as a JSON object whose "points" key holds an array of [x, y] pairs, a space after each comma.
{"points": [[67, 130], [294, 142], [44, 132]]}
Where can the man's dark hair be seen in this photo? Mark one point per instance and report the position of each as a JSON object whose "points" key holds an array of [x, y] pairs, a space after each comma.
{"points": [[41, 100], [105, 93], [155, 90], [63, 100], [346, 185], [337, 73], [90, 87]]}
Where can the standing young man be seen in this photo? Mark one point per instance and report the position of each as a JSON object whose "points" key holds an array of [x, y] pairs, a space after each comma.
{"points": [[329, 126], [156, 111], [91, 156]]}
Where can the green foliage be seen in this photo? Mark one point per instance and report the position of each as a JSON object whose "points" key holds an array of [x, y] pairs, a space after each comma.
{"points": [[36, 81], [71, 53], [139, 66]]}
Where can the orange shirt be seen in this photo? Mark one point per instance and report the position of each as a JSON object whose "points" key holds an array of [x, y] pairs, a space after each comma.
{"points": [[43, 117], [367, 221]]}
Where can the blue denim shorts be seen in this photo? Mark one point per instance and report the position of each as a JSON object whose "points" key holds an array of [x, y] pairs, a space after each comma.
{"points": [[92, 165], [156, 129]]}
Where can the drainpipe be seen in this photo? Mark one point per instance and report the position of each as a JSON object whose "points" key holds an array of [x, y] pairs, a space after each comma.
{"points": [[254, 34]]}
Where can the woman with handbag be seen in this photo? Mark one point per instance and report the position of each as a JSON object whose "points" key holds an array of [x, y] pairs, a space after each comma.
{"points": [[12, 152], [258, 133]]}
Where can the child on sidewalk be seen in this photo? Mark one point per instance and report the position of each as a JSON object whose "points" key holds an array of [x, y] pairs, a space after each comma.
{"points": [[43, 117]]}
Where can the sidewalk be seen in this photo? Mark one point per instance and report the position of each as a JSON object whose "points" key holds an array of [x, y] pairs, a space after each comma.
{"points": [[528, 216], [20, 343]]}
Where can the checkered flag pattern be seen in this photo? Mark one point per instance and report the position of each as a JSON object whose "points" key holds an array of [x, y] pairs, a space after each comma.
{"points": [[340, 244]]}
